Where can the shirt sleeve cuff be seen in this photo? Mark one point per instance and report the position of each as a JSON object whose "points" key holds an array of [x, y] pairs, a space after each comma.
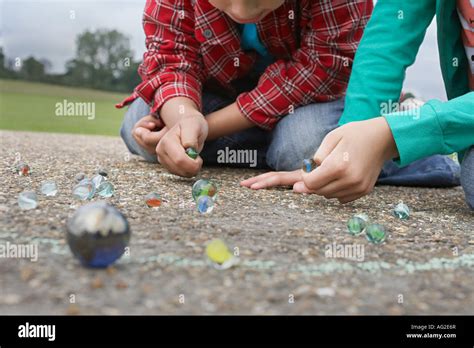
{"points": [[253, 112], [417, 133], [163, 87], [167, 92]]}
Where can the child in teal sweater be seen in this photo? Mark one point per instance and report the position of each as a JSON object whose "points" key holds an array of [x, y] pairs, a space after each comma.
{"points": [[351, 157]]}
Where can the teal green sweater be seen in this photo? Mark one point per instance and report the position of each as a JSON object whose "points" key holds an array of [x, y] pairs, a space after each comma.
{"points": [[390, 45]]}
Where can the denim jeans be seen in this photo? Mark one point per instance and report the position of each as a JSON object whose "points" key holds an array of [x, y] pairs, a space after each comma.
{"points": [[293, 139], [297, 136], [467, 176]]}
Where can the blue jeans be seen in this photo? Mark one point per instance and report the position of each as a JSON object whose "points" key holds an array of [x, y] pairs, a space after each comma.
{"points": [[297, 136], [293, 139], [467, 176]]}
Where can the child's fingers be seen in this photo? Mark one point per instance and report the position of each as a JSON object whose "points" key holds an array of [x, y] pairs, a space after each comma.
{"points": [[250, 181], [328, 144], [357, 191], [300, 187], [179, 162], [321, 176], [185, 171], [270, 181], [150, 123], [331, 165], [328, 170], [164, 159], [146, 124], [336, 189], [190, 135], [147, 137], [137, 135], [161, 133], [277, 179]]}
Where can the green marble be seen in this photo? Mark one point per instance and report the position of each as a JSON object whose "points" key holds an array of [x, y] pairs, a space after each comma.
{"points": [[375, 233], [191, 152], [204, 187]]}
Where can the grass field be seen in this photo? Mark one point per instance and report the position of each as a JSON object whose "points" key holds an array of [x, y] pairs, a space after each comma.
{"points": [[33, 107]]}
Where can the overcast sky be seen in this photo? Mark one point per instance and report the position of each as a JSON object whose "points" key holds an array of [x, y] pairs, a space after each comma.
{"points": [[48, 28]]}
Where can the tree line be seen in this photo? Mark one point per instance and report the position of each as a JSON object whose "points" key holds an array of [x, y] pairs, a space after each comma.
{"points": [[103, 60]]}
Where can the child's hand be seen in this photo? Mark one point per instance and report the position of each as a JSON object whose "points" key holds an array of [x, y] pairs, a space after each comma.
{"points": [[350, 159], [189, 131], [272, 179], [148, 132]]}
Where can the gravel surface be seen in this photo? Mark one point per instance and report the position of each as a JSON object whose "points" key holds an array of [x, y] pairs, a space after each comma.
{"points": [[426, 266]]}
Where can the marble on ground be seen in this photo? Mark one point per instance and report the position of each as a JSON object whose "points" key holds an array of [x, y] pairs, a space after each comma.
{"points": [[426, 266]]}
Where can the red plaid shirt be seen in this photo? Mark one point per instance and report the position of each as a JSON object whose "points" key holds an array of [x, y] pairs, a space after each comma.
{"points": [[190, 43]]}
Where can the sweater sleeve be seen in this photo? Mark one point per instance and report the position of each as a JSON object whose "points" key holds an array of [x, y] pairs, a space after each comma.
{"points": [[388, 47], [435, 128]]}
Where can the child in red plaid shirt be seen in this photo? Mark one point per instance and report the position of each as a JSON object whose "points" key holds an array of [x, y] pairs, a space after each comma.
{"points": [[263, 75]]}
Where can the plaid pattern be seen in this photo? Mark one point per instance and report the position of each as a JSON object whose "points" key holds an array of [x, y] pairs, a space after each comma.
{"points": [[466, 15], [190, 43]]}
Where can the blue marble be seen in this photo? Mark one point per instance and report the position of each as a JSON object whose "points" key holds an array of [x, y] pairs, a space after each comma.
{"points": [[98, 234], [205, 204], [309, 165]]}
